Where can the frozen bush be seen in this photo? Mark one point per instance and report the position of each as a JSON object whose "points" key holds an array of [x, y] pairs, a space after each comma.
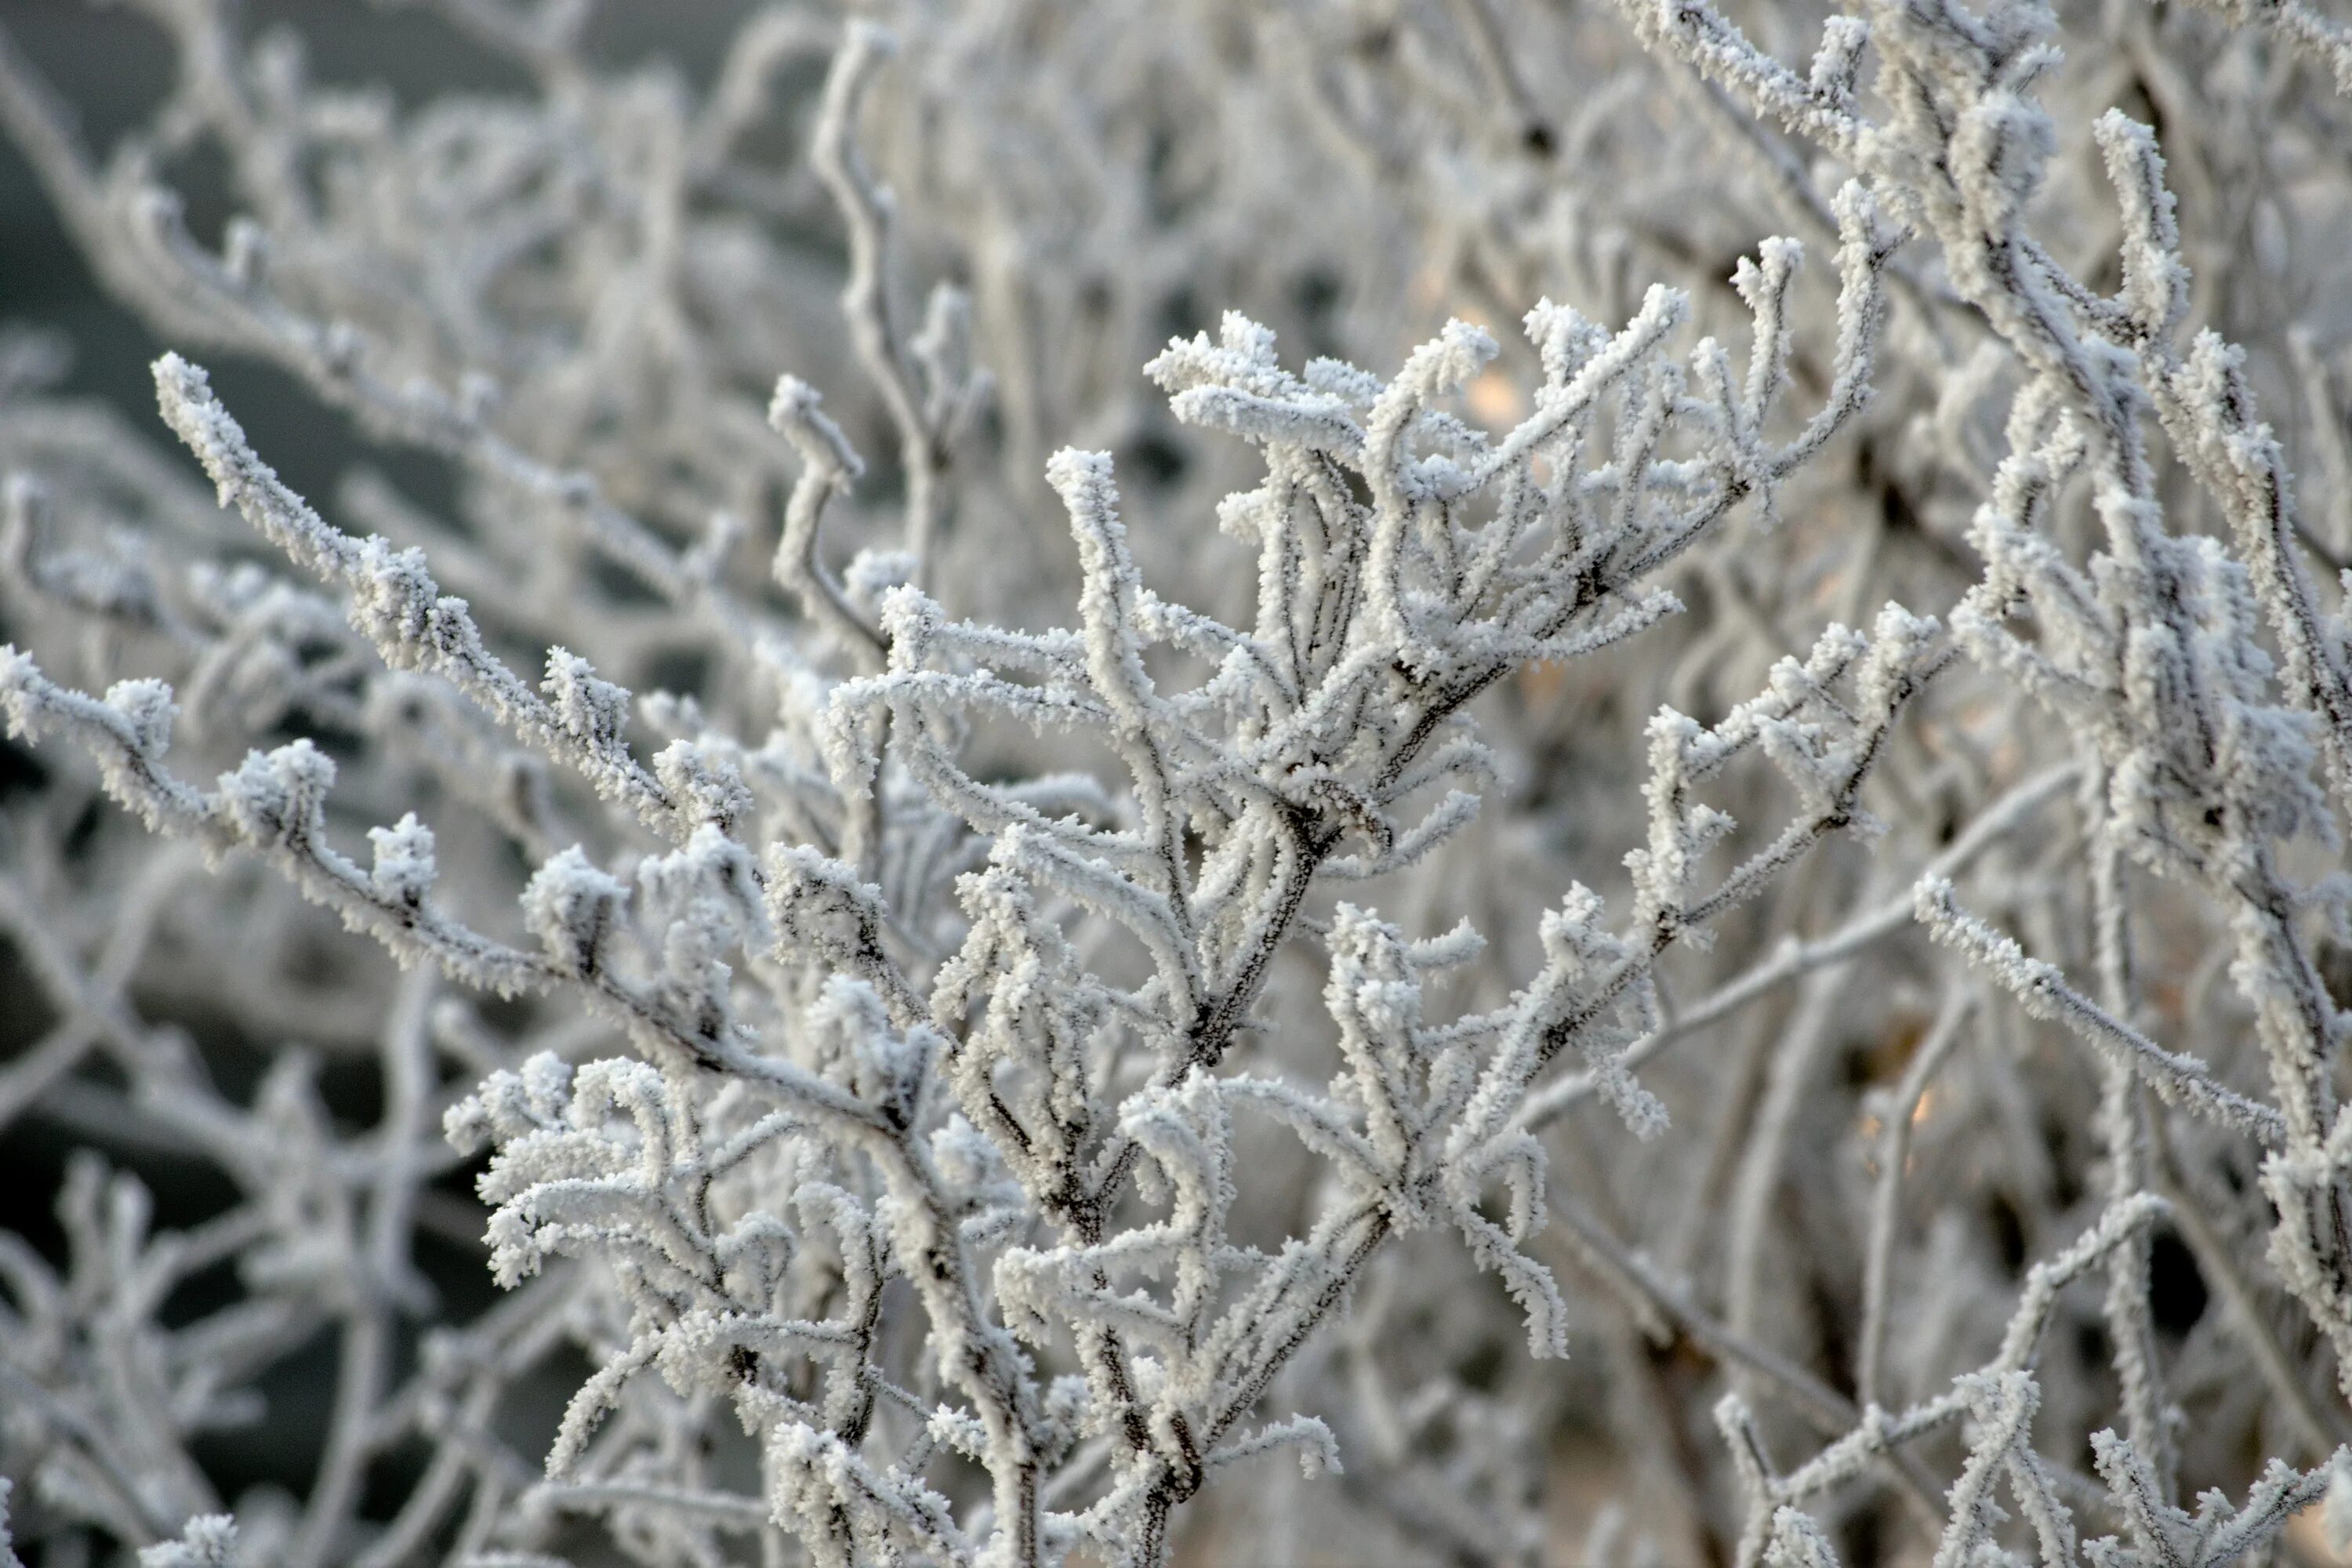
{"points": [[1711, 930]]}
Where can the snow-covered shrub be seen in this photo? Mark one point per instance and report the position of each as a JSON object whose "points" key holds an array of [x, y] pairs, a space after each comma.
{"points": [[1390, 940]]}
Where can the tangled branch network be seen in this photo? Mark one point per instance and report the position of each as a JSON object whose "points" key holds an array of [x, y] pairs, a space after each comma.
{"points": [[1711, 929]]}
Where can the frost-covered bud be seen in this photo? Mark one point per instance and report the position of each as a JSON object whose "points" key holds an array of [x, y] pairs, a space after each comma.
{"points": [[207, 1541], [277, 798], [404, 869], [820, 906], [20, 678], [570, 905], [147, 711], [1899, 645], [872, 574], [1838, 59], [793, 401], [796, 411], [593, 711], [883, 1065], [1563, 339], [393, 597], [2001, 148], [706, 896], [705, 783], [511, 1105], [1798, 1543]]}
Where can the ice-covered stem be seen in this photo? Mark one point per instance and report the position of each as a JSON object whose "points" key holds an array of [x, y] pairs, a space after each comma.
{"points": [[396, 604], [2002, 1405], [822, 913], [1963, 152], [1928, 1058], [1960, 84], [1827, 762], [1329, 617], [365, 1348], [2251, 1318], [1301, 773], [2216, 1534], [1793, 958], [1820, 107], [2326, 45], [2124, 1126], [273, 805], [919, 1226], [1296, 762], [2042, 991], [1109, 612], [2209, 412], [925, 417], [829, 465], [134, 235], [2003, 1445]]}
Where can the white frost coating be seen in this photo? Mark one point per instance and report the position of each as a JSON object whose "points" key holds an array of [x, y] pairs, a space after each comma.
{"points": [[939, 1102], [208, 1540]]}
